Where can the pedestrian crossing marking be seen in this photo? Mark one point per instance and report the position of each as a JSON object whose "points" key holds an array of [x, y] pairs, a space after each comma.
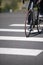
{"points": [[20, 51], [35, 39], [17, 30], [18, 25], [22, 25]]}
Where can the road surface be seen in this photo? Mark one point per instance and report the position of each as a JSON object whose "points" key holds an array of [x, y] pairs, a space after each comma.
{"points": [[15, 48]]}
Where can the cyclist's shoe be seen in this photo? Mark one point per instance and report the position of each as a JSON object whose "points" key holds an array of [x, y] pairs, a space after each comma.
{"points": [[31, 28]]}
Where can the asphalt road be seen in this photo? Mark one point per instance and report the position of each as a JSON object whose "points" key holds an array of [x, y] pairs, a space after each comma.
{"points": [[15, 48]]}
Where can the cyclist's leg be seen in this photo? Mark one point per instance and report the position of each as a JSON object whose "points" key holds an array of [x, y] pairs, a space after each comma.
{"points": [[29, 18], [34, 18], [38, 18], [31, 9]]}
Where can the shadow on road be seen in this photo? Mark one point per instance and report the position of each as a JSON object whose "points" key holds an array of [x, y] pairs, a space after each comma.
{"points": [[36, 33]]}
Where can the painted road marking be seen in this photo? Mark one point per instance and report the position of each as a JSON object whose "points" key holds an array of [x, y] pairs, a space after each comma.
{"points": [[18, 25], [21, 25], [20, 51], [36, 39], [17, 30]]}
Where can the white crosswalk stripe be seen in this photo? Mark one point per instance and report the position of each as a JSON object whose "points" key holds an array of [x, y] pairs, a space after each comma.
{"points": [[20, 51], [36, 39], [16, 30], [21, 25]]}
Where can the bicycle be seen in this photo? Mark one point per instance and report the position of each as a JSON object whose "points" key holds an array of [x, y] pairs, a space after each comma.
{"points": [[29, 27]]}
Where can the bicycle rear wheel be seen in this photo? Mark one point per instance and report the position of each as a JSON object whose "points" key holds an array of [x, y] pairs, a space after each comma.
{"points": [[39, 25]]}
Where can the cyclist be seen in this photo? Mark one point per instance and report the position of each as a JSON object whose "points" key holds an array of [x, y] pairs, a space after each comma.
{"points": [[31, 5]]}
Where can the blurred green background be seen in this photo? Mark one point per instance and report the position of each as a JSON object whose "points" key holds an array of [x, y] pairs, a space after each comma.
{"points": [[11, 5]]}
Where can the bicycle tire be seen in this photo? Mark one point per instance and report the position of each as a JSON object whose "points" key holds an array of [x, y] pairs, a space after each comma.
{"points": [[28, 29], [39, 25]]}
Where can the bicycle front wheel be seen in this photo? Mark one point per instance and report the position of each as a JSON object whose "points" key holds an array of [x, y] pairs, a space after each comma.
{"points": [[28, 28]]}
